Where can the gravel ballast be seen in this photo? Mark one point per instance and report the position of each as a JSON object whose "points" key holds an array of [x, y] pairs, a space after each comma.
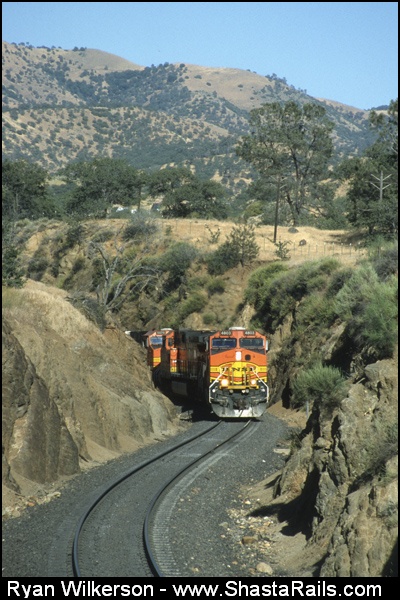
{"points": [[37, 543]]}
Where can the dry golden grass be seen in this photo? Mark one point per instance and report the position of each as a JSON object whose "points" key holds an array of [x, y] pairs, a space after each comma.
{"points": [[37, 301], [339, 243]]}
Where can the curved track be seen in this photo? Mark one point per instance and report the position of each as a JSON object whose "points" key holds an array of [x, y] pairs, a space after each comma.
{"points": [[129, 518]]}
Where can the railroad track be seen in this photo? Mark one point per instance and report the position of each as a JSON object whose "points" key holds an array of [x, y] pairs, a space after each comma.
{"points": [[124, 531]]}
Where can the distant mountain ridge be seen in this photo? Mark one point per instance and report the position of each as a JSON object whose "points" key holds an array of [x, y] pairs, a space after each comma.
{"points": [[65, 105]]}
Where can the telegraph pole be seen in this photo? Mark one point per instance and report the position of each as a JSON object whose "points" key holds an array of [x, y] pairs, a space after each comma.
{"points": [[278, 196], [380, 187]]}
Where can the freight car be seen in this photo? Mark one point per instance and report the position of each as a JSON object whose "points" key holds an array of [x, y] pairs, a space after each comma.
{"points": [[227, 369]]}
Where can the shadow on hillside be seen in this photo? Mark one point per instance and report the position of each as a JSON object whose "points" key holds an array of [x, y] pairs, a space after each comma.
{"points": [[297, 513], [391, 569]]}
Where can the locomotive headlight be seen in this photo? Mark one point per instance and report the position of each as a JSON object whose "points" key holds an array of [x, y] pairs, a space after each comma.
{"points": [[253, 381], [224, 382]]}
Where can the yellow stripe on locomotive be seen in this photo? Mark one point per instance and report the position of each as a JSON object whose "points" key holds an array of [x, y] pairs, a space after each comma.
{"points": [[239, 375]]}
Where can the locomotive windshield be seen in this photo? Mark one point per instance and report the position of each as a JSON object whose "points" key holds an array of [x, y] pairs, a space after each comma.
{"points": [[156, 341], [251, 343], [221, 344]]}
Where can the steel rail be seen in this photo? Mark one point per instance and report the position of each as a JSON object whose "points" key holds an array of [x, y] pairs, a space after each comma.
{"points": [[146, 526], [87, 512]]}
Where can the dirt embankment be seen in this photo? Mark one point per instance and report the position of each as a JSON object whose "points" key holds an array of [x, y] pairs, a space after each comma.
{"points": [[333, 510], [73, 397]]}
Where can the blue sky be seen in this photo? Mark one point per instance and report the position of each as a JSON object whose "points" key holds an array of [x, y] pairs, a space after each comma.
{"points": [[343, 51]]}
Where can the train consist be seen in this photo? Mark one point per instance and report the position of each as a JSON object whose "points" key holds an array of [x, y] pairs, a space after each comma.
{"points": [[227, 369]]}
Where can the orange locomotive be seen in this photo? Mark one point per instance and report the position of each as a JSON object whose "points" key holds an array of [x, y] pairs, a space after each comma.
{"points": [[227, 369], [153, 341], [238, 373]]}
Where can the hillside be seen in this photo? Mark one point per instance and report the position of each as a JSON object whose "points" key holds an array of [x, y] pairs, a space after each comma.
{"points": [[65, 105], [75, 396], [76, 389], [58, 254], [72, 397]]}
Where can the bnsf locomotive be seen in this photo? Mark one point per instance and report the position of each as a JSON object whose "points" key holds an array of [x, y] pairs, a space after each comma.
{"points": [[227, 369]]}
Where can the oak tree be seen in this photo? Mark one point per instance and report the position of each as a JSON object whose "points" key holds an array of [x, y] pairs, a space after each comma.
{"points": [[25, 191], [291, 143], [100, 183]]}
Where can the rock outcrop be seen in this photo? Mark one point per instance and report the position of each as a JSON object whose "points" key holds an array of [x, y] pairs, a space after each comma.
{"points": [[36, 440], [340, 484]]}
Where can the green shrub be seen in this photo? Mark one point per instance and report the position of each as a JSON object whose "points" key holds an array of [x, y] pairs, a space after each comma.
{"points": [[140, 226], [37, 267], [171, 302], [176, 261], [321, 385], [216, 286], [55, 268], [198, 281], [259, 281], [224, 258], [103, 235], [378, 325], [357, 291], [97, 273], [12, 273], [370, 309], [387, 263], [78, 265], [338, 280], [287, 290], [377, 245], [314, 275], [242, 241], [75, 235], [194, 303], [282, 251], [214, 235], [380, 445], [316, 310], [209, 318]]}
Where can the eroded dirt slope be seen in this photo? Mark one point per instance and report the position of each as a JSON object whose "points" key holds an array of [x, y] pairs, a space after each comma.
{"points": [[72, 396]]}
